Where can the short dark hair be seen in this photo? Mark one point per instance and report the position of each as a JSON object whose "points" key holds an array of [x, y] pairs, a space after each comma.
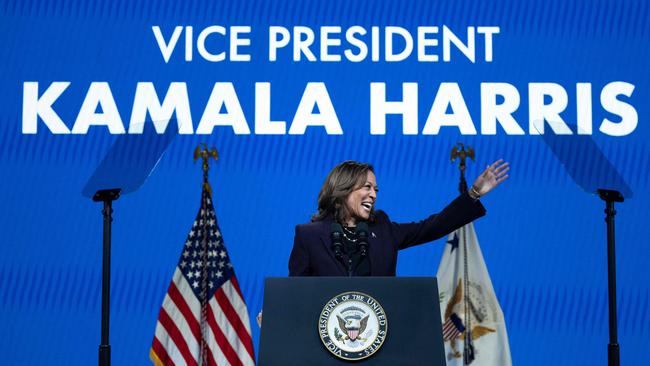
{"points": [[340, 182]]}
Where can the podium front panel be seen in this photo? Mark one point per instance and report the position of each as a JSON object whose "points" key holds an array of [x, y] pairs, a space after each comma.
{"points": [[293, 306]]}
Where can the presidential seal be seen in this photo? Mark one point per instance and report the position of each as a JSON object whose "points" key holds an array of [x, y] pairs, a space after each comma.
{"points": [[352, 326]]}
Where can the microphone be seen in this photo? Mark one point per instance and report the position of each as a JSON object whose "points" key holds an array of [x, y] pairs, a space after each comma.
{"points": [[336, 234], [362, 235]]}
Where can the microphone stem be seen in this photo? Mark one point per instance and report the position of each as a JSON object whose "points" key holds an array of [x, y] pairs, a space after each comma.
{"points": [[349, 267]]}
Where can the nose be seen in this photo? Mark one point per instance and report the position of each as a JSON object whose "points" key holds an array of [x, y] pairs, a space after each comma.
{"points": [[373, 193]]}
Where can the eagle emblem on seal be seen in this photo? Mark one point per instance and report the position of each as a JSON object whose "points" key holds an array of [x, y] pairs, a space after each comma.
{"points": [[353, 326]]}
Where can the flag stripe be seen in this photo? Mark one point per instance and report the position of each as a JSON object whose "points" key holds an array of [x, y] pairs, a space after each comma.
{"points": [[225, 299], [217, 353], [179, 320], [235, 284], [176, 337], [228, 352], [449, 331], [169, 345], [209, 357], [158, 355], [226, 319], [231, 289], [188, 316]]}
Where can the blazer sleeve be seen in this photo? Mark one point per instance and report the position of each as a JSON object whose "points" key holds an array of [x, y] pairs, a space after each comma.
{"points": [[299, 258], [459, 212]]}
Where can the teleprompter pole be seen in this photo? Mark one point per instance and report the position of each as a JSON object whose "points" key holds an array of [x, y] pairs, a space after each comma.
{"points": [[107, 196], [613, 349]]}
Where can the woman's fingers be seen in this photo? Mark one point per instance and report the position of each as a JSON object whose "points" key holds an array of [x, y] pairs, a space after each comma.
{"points": [[496, 164], [502, 171]]}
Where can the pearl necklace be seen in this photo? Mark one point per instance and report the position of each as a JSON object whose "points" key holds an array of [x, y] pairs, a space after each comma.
{"points": [[351, 233]]}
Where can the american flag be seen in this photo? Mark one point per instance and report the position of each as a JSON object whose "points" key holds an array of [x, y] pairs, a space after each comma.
{"points": [[203, 319]]}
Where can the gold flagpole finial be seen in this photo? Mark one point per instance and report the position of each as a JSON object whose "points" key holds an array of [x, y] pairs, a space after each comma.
{"points": [[462, 152], [205, 154]]}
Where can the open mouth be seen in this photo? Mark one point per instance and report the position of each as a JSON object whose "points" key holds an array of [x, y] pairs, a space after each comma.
{"points": [[367, 205]]}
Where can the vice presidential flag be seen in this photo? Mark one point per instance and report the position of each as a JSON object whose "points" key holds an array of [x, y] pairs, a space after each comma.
{"points": [[203, 319], [469, 306]]}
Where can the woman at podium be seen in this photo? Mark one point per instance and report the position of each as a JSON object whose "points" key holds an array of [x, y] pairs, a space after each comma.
{"points": [[347, 237]]}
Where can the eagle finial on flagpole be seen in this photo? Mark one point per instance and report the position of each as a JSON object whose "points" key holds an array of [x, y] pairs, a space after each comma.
{"points": [[462, 152], [205, 154]]}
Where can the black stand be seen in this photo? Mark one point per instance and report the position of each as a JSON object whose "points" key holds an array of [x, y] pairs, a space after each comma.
{"points": [[613, 349], [590, 170], [107, 196]]}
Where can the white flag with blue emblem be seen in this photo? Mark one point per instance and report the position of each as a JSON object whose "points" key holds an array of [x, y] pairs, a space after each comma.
{"points": [[474, 330]]}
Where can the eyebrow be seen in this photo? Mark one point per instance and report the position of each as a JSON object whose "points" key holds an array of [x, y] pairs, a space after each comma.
{"points": [[369, 182]]}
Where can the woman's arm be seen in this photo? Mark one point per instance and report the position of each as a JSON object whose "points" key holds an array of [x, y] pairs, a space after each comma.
{"points": [[299, 258], [459, 212]]}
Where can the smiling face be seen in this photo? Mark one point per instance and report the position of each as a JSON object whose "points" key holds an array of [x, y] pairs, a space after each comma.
{"points": [[359, 203], [348, 194]]}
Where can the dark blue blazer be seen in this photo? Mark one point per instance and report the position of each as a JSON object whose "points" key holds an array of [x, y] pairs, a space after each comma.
{"points": [[313, 255]]}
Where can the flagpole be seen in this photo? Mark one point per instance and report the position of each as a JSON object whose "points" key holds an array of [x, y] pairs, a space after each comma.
{"points": [[205, 154], [463, 152]]}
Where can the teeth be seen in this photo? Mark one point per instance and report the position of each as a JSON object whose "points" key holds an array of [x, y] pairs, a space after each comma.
{"points": [[368, 206]]}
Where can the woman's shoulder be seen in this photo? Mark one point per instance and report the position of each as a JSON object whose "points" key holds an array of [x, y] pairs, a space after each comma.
{"points": [[312, 227], [318, 226], [381, 216]]}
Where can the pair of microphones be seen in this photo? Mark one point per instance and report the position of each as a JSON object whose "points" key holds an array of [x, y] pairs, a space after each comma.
{"points": [[336, 234]]}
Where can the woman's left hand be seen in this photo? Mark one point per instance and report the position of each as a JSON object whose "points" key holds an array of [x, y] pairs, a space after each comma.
{"points": [[491, 177]]}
